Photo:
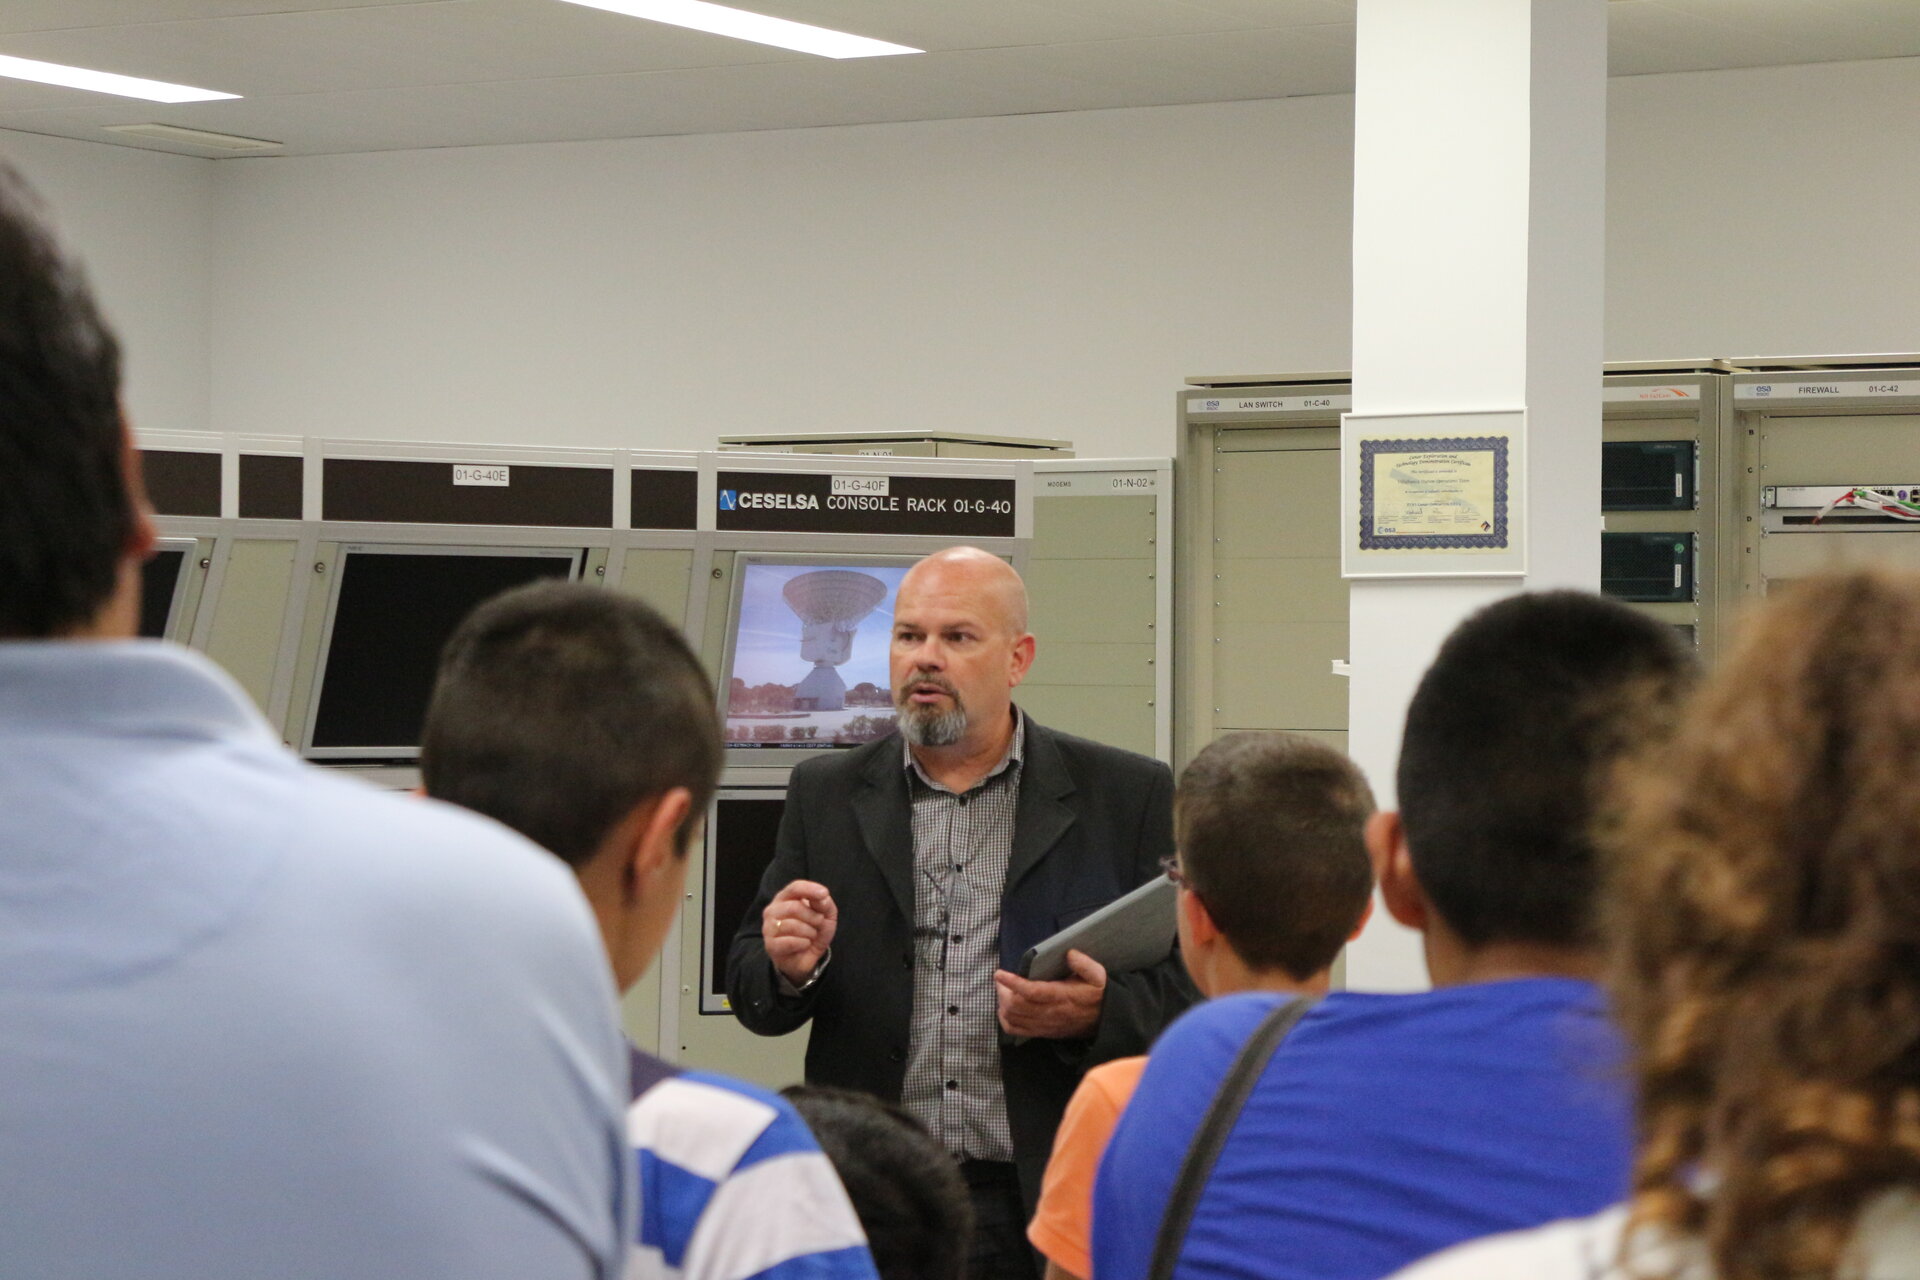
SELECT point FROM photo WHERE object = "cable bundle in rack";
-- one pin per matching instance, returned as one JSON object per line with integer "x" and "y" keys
{"x": 1904, "y": 505}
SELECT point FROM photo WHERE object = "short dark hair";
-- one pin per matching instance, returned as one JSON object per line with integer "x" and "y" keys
{"x": 912, "y": 1202}
{"x": 1271, "y": 833}
{"x": 1510, "y": 742}
{"x": 65, "y": 510}
{"x": 559, "y": 707}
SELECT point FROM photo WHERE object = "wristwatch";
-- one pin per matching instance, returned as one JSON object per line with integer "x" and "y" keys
{"x": 789, "y": 988}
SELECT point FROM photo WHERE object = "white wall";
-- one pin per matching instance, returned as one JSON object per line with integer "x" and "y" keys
{"x": 1043, "y": 274}
{"x": 142, "y": 222}
{"x": 1048, "y": 275}
{"x": 1053, "y": 275}
{"x": 1764, "y": 212}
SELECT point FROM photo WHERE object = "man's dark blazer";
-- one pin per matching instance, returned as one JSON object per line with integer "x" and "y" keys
{"x": 1092, "y": 823}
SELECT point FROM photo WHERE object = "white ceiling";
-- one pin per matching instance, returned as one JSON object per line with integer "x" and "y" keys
{"x": 374, "y": 75}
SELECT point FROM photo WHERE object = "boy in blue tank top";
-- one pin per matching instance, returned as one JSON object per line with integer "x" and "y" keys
{"x": 1390, "y": 1126}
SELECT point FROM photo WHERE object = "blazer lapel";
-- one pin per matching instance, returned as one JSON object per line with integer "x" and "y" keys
{"x": 884, "y": 812}
{"x": 1043, "y": 814}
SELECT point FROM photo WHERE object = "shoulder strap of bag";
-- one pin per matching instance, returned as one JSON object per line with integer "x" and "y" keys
{"x": 1208, "y": 1140}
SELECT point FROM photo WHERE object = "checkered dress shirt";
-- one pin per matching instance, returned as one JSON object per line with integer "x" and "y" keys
{"x": 961, "y": 844}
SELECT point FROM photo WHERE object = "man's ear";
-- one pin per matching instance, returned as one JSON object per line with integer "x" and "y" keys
{"x": 1023, "y": 651}
{"x": 1393, "y": 869}
{"x": 657, "y": 823}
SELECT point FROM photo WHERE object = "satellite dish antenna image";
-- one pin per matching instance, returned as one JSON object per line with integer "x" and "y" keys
{"x": 831, "y": 604}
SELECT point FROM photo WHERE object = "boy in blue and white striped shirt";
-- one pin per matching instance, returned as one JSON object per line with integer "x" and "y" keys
{"x": 580, "y": 718}
{"x": 733, "y": 1184}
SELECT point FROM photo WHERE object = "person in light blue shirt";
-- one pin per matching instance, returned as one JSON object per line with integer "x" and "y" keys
{"x": 254, "y": 1021}
{"x": 580, "y": 718}
{"x": 1386, "y": 1127}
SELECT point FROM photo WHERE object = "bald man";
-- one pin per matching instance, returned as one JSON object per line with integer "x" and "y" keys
{"x": 913, "y": 872}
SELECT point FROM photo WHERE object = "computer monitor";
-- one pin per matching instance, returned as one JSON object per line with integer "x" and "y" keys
{"x": 1648, "y": 475}
{"x": 163, "y": 581}
{"x": 389, "y": 612}
{"x": 740, "y": 843}
{"x": 1651, "y": 568}
{"x": 805, "y": 667}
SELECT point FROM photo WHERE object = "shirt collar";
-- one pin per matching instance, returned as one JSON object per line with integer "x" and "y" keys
{"x": 118, "y": 687}
{"x": 1015, "y": 756}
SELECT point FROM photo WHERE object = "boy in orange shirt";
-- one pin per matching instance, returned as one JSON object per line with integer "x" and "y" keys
{"x": 1271, "y": 824}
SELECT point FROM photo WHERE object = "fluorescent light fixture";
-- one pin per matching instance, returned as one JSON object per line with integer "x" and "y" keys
{"x": 202, "y": 138}
{"x": 757, "y": 27}
{"x": 104, "y": 81}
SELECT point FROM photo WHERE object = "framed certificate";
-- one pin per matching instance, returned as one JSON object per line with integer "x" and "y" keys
{"x": 1433, "y": 495}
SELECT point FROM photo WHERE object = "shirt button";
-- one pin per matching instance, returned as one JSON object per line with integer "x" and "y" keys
{"x": 957, "y": 938}
{"x": 953, "y": 1009}
{"x": 953, "y": 1084}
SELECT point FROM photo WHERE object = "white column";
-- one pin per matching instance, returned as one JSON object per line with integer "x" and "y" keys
{"x": 1478, "y": 224}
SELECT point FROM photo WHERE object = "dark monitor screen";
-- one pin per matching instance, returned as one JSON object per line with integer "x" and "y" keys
{"x": 740, "y": 843}
{"x": 159, "y": 584}
{"x": 392, "y": 614}
{"x": 1647, "y": 475}
{"x": 1647, "y": 567}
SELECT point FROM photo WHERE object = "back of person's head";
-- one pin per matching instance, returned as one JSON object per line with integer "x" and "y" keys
{"x": 1510, "y": 742}
{"x": 1271, "y": 833}
{"x": 1764, "y": 924}
{"x": 66, "y": 513}
{"x": 907, "y": 1190}
{"x": 561, "y": 707}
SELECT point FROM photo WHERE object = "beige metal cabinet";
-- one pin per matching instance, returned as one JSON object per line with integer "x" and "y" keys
{"x": 1262, "y": 607}
{"x": 1810, "y": 428}
{"x": 1261, "y": 604}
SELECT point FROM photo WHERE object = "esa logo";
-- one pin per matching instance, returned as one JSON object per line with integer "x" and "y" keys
{"x": 1764, "y": 390}
{"x": 729, "y": 499}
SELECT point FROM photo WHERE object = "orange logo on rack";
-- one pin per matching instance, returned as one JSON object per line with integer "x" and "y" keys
{"x": 1667, "y": 393}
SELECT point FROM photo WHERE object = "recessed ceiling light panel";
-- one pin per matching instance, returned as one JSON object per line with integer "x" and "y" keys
{"x": 757, "y": 27}
{"x": 202, "y": 138}
{"x": 104, "y": 81}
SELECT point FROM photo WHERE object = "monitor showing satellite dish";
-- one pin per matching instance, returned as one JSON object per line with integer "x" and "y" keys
{"x": 806, "y": 660}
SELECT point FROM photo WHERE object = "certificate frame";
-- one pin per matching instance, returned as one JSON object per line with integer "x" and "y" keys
{"x": 1484, "y": 448}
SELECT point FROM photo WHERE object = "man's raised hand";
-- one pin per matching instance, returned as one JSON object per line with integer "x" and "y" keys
{"x": 797, "y": 927}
